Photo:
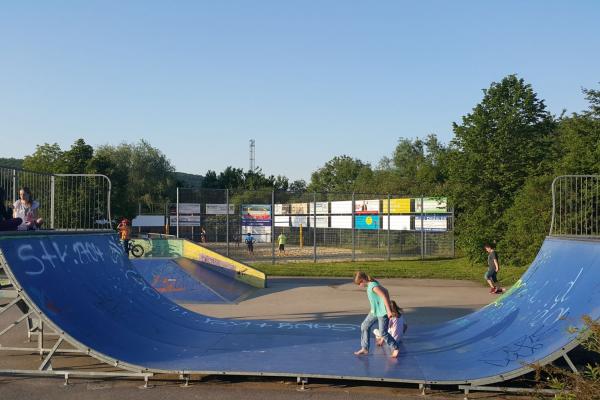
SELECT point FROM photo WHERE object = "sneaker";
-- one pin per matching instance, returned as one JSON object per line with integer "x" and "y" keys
{"x": 492, "y": 290}
{"x": 498, "y": 291}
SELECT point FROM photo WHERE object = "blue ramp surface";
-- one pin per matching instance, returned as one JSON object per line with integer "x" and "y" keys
{"x": 186, "y": 281}
{"x": 85, "y": 287}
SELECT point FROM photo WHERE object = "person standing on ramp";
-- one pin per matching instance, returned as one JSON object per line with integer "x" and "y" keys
{"x": 381, "y": 312}
{"x": 491, "y": 275}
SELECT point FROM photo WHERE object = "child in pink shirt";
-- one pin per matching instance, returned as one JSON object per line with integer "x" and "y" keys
{"x": 397, "y": 326}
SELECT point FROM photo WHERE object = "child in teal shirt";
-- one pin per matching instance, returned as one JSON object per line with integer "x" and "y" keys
{"x": 381, "y": 312}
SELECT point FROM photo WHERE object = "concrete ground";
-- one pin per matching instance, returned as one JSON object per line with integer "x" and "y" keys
{"x": 290, "y": 299}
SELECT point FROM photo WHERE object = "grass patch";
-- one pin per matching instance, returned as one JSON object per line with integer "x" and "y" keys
{"x": 456, "y": 268}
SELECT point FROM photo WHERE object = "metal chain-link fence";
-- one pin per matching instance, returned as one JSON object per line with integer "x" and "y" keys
{"x": 316, "y": 226}
{"x": 576, "y": 206}
{"x": 67, "y": 201}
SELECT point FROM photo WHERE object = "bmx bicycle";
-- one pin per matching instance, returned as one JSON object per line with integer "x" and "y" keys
{"x": 135, "y": 249}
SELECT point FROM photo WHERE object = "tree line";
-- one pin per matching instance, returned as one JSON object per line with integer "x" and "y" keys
{"x": 496, "y": 171}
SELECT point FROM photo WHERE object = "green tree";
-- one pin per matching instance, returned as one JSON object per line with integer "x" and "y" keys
{"x": 503, "y": 141}
{"x": 139, "y": 173}
{"x": 338, "y": 175}
{"x": 76, "y": 159}
{"x": 47, "y": 158}
{"x": 576, "y": 151}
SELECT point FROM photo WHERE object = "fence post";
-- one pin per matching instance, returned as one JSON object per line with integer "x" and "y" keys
{"x": 315, "y": 227}
{"x": 272, "y": 227}
{"x": 177, "y": 213}
{"x": 389, "y": 220}
{"x": 227, "y": 220}
{"x": 14, "y": 185}
{"x": 353, "y": 233}
{"x": 140, "y": 213}
{"x": 52, "y": 201}
{"x": 452, "y": 227}
{"x": 422, "y": 232}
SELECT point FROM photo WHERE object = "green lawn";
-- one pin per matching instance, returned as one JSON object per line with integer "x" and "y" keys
{"x": 457, "y": 268}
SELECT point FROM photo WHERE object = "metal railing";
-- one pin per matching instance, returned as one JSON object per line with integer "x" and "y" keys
{"x": 576, "y": 206}
{"x": 318, "y": 226}
{"x": 67, "y": 201}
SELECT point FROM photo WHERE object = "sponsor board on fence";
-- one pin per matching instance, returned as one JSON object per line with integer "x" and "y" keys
{"x": 187, "y": 208}
{"x": 322, "y": 207}
{"x": 298, "y": 220}
{"x": 219, "y": 209}
{"x": 282, "y": 209}
{"x": 366, "y": 207}
{"x": 397, "y": 206}
{"x": 262, "y": 234}
{"x": 298, "y": 208}
{"x": 432, "y": 205}
{"x": 398, "y": 222}
{"x": 185, "y": 220}
{"x": 366, "y": 222}
{"x": 341, "y": 207}
{"x": 341, "y": 221}
{"x": 432, "y": 223}
{"x": 282, "y": 220}
{"x": 321, "y": 221}
{"x": 148, "y": 220}
{"x": 256, "y": 215}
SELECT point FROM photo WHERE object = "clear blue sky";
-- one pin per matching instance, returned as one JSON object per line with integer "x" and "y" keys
{"x": 308, "y": 80}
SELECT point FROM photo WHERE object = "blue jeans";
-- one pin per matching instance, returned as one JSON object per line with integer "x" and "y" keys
{"x": 365, "y": 330}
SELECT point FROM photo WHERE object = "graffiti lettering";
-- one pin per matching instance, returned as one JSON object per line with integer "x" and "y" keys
{"x": 21, "y": 252}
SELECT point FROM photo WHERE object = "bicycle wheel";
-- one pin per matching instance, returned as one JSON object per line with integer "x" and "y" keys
{"x": 137, "y": 250}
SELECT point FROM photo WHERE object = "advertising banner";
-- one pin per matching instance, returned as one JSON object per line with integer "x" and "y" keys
{"x": 397, "y": 206}
{"x": 299, "y": 220}
{"x": 341, "y": 221}
{"x": 188, "y": 208}
{"x": 366, "y": 207}
{"x": 256, "y": 215}
{"x": 282, "y": 220}
{"x": 282, "y": 209}
{"x": 148, "y": 220}
{"x": 432, "y": 205}
{"x": 366, "y": 222}
{"x": 262, "y": 234}
{"x": 299, "y": 208}
{"x": 432, "y": 223}
{"x": 185, "y": 220}
{"x": 219, "y": 209}
{"x": 341, "y": 207}
{"x": 398, "y": 222}
{"x": 321, "y": 206}
{"x": 321, "y": 222}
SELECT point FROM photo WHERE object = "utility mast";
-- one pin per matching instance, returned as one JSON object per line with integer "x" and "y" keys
{"x": 252, "y": 160}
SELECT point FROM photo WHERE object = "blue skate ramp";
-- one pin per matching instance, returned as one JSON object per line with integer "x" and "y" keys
{"x": 85, "y": 288}
{"x": 187, "y": 281}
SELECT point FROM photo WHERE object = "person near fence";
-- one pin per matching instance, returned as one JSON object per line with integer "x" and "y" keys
{"x": 202, "y": 235}
{"x": 380, "y": 312}
{"x": 249, "y": 240}
{"x": 125, "y": 234}
{"x": 7, "y": 222}
{"x": 26, "y": 208}
{"x": 282, "y": 240}
{"x": 491, "y": 275}
{"x": 397, "y": 326}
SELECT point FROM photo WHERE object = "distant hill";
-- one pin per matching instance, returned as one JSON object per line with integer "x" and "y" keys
{"x": 189, "y": 180}
{"x": 11, "y": 162}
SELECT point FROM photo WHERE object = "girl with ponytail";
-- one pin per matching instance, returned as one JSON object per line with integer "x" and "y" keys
{"x": 381, "y": 312}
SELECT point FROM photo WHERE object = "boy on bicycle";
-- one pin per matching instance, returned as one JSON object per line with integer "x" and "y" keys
{"x": 124, "y": 234}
